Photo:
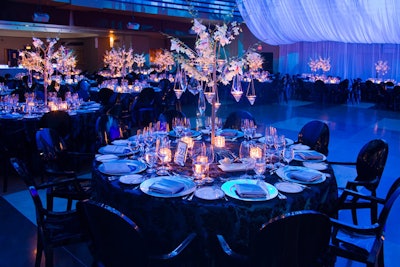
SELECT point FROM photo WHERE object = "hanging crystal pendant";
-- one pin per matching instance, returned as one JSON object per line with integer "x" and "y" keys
{"x": 209, "y": 96}
{"x": 183, "y": 80}
{"x": 236, "y": 90}
{"x": 201, "y": 103}
{"x": 251, "y": 92}
{"x": 178, "y": 93}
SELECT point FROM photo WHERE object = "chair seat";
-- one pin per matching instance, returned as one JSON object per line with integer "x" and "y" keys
{"x": 359, "y": 244}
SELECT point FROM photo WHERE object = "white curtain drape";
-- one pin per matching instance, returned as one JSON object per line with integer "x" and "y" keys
{"x": 354, "y": 34}
{"x": 279, "y": 22}
{"x": 348, "y": 61}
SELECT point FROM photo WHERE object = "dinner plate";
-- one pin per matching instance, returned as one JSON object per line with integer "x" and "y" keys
{"x": 106, "y": 157}
{"x": 131, "y": 179}
{"x": 189, "y": 186}
{"x": 231, "y": 133}
{"x": 106, "y": 150}
{"x": 209, "y": 193}
{"x": 284, "y": 173}
{"x": 135, "y": 166}
{"x": 319, "y": 166}
{"x": 191, "y": 133}
{"x": 300, "y": 147}
{"x": 287, "y": 187}
{"x": 229, "y": 189}
{"x": 299, "y": 158}
{"x": 120, "y": 142}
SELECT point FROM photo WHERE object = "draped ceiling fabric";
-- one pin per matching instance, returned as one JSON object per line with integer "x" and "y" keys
{"x": 354, "y": 34}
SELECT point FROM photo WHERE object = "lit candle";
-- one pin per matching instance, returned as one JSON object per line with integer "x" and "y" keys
{"x": 220, "y": 141}
{"x": 188, "y": 140}
{"x": 168, "y": 154}
{"x": 255, "y": 152}
{"x": 202, "y": 159}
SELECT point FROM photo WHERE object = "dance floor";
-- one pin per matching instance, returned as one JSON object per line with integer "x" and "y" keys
{"x": 351, "y": 126}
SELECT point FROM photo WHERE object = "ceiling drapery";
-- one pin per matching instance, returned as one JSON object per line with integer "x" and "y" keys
{"x": 279, "y": 22}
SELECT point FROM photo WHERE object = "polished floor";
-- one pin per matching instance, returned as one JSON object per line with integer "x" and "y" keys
{"x": 351, "y": 126}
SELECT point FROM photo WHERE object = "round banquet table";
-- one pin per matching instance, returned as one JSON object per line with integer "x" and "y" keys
{"x": 83, "y": 131}
{"x": 166, "y": 221}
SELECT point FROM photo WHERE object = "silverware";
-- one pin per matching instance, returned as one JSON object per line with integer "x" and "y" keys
{"x": 281, "y": 196}
{"x": 113, "y": 178}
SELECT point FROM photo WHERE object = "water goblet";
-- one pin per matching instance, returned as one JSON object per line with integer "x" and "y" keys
{"x": 151, "y": 159}
{"x": 164, "y": 154}
{"x": 245, "y": 158}
{"x": 288, "y": 154}
{"x": 260, "y": 166}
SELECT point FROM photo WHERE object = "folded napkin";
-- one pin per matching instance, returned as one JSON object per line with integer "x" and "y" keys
{"x": 305, "y": 176}
{"x": 113, "y": 149}
{"x": 310, "y": 155}
{"x": 167, "y": 186}
{"x": 250, "y": 191}
{"x": 116, "y": 167}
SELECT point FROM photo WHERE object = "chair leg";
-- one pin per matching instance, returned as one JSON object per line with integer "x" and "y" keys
{"x": 354, "y": 216}
{"x": 49, "y": 202}
{"x": 49, "y": 257}
{"x": 39, "y": 251}
{"x": 69, "y": 204}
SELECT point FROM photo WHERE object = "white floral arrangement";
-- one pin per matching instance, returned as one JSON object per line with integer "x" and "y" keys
{"x": 139, "y": 60}
{"x": 41, "y": 59}
{"x": 381, "y": 67}
{"x": 199, "y": 63}
{"x": 323, "y": 64}
{"x": 119, "y": 61}
{"x": 164, "y": 60}
{"x": 65, "y": 61}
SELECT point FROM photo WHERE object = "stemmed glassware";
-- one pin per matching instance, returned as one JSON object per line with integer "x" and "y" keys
{"x": 164, "y": 154}
{"x": 177, "y": 126}
{"x": 248, "y": 128}
{"x": 260, "y": 165}
{"x": 288, "y": 154}
{"x": 151, "y": 159}
{"x": 245, "y": 158}
{"x": 279, "y": 144}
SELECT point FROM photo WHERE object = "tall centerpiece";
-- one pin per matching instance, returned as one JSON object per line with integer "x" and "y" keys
{"x": 323, "y": 64}
{"x": 381, "y": 68}
{"x": 44, "y": 59}
{"x": 209, "y": 64}
{"x": 119, "y": 61}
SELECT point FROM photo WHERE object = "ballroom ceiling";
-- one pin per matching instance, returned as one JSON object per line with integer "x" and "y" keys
{"x": 86, "y": 18}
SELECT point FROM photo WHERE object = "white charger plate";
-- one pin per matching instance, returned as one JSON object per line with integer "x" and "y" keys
{"x": 319, "y": 166}
{"x": 189, "y": 186}
{"x": 299, "y": 158}
{"x": 284, "y": 173}
{"x": 229, "y": 189}
{"x": 135, "y": 165}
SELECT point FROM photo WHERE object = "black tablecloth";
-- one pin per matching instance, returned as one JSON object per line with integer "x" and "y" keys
{"x": 165, "y": 221}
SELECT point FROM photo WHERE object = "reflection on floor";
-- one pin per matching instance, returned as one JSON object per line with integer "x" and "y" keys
{"x": 351, "y": 126}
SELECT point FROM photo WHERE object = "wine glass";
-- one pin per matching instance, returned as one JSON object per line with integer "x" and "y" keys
{"x": 260, "y": 165}
{"x": 151, "y": 159}
{"x": 279, "y": 144}
{"x": 164, "y": 154}
{"x": 288, "y": 154}
{"x": 244, "y": 155}
{"x": 177, "y": 126}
